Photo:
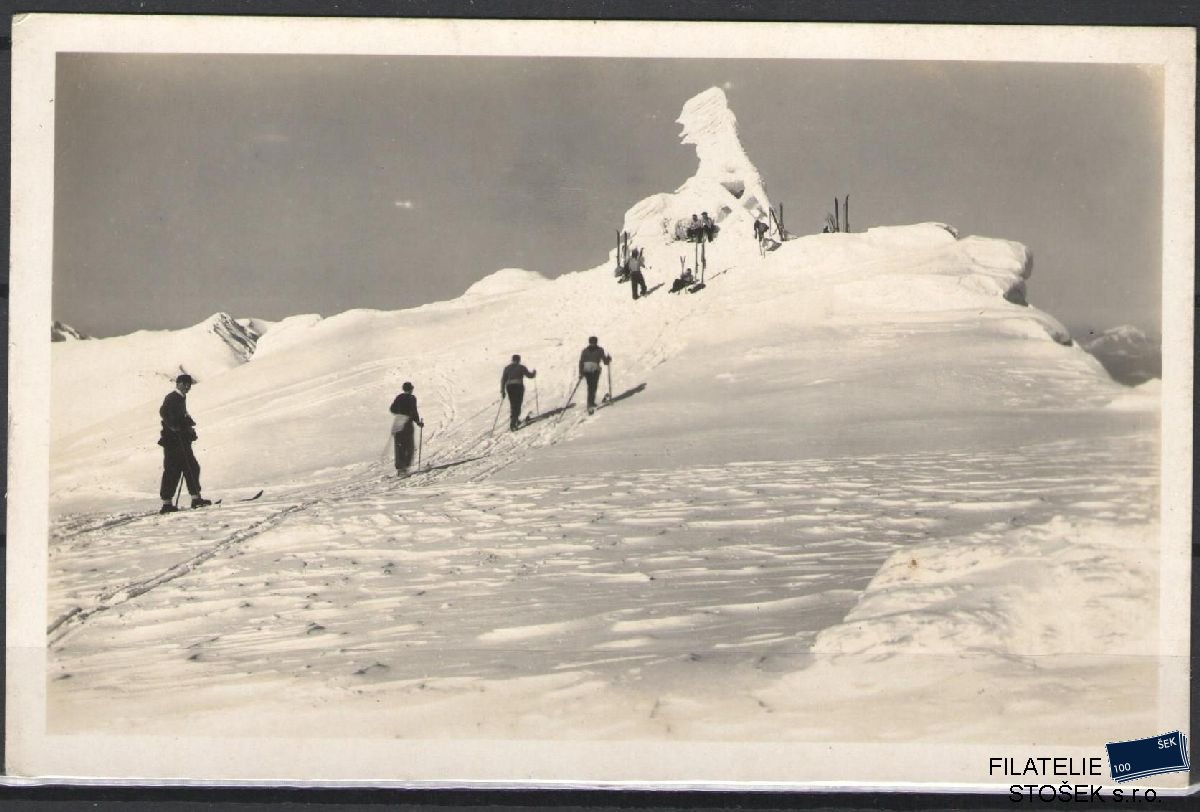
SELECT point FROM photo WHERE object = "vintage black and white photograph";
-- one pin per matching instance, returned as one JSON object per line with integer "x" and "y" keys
{"x": 454, "y": 402}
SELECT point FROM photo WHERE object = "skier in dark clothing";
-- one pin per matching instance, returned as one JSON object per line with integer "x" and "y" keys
{"x": 178, "y": 434}
{"x": 405, "y": 406}
{"x": 512, "y": 385}
{"x": 708, "y": 229}
{"x": 589, "y": 369}
{"x": 694, "y": 229}
{"x": 760, "y": 229}
{"x": 637, "y": 282}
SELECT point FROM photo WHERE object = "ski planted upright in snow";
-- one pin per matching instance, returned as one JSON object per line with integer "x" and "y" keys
{"x": 702, "y": 266}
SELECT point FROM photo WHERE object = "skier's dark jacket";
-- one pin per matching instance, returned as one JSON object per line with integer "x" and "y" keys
{"x": 515, "y": 374}
{"x": 177, "y": 424}
{"x": 406, "y": 404}
{"x": 594, "y": 353}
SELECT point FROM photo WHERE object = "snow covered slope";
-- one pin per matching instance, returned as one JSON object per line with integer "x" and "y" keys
{"x": 96, "y": 379}
{"x": 856, "y": 489}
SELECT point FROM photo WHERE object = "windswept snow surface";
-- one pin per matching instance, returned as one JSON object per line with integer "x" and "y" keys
{"x": 854, "y": 490}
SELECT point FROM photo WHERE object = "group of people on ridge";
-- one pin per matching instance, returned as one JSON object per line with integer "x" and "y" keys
{"x": 179, "y": 429}
{"x": 701, "y": 228}
{"x": 512, "y": 389}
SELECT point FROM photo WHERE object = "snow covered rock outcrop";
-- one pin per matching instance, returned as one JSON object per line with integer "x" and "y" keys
{"x": 239, "y": 337}
{"x": 726, "y": 185}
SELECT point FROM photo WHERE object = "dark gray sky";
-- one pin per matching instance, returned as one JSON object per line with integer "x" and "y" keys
{"x": 274, "y": 185}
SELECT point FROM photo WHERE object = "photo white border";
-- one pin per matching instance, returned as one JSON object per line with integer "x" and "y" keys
{"x": 37, "y": 39}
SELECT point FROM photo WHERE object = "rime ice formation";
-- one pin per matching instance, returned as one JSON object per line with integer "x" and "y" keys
{"x": 726, "y": 185}
{"x": 711, "y": 127}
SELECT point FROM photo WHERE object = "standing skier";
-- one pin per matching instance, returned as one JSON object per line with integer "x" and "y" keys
{"x": 760, "y": 231}
{"x": 637, "y": 282}
{"x": 512, "y": 385}
{"x": 176, "y": 438}
{"x": 589, "y": 369}
{"x": 405, "y": 406}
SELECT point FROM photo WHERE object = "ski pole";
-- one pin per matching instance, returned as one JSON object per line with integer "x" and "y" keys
{"x": 608, "y": 366}
{"x": 496, "y": 419}
{"x": 420, "y": 443}
{"x": 179, "y": 490}
{"x": 574, "y": 389}
{"x": 570, "y": 397}
{"x": 536, "y": 405}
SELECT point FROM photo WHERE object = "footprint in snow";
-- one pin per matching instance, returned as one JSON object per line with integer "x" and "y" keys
{"x": 370, "y": 670}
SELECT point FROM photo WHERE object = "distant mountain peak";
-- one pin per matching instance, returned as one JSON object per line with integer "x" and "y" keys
{"x": 240, "y": 337}
{"x": 60, "y": 331}
{"x": 1121, "y": 334}
{"x": 1130, "y": 356}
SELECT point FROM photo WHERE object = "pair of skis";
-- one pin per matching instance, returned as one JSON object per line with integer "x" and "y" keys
{"x": 532, "y": 418}
{"x": 128, "y": 518}
{"x": 429, "y": 468}
{"x": 217, "y": 502}
{"x": 701, "y": 265}
{"x": 622, "y": 271}
{"x": 607, "y": 397}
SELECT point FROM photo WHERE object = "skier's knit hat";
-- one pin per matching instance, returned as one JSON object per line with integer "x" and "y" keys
{"x": 407, "y": 387}
{"x": 185, "y": 378}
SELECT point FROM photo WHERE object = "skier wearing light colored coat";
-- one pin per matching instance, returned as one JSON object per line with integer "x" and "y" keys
{"x": 404, "y": 407}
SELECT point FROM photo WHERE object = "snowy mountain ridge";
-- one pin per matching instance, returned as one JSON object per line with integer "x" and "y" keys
{"x": 788, "y": 328}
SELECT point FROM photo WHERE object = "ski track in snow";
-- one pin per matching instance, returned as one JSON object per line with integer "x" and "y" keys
{"x": 445, "y": 576}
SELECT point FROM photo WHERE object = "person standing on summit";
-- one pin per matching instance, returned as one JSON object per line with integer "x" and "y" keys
{"x": 590, "y": 359}
{"x": 178, "y": 434}
{"x": 512, "y": 385}
{"x": 405, "y": 409}
{"x": 637, "y": 282}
